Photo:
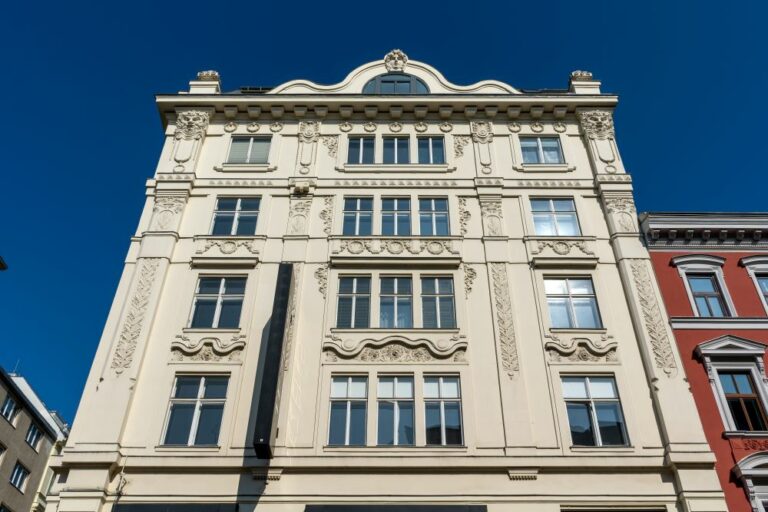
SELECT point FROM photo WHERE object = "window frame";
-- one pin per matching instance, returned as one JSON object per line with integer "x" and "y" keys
{"x": 757, "y": 268}
{"x": 361, "y": 149}
{"x": 14, "y": 411}
{"x": 594, "y": 422}
{"x": 396, "y": 152}
{"x": 437, "y": 295}
{"x": 704, "y": 264}
{"x": 396, "y": 401}
{"x": 553, "y": 215}
{"x": 22, "y": 486}
{"x": 232, "y": 139}
{"x": 357, "y": 213}
{"x": 198, "y": 401}
{"x": 430, "y": 139}
{"x": 347, "y": 419}
{"x": 236, "y": 213}
{"x": 396, "y": 214}
{"x": 396, "y": 295}
{"x": 37, "y": 437}
{"x": 540, "y": 150}
{"x": 442, "y": 400}
{"x": 569, "y": 296}
{"x": 433, "y": 214}
{"x": 219, "y": 300}
{"x": 413, "y": 82}
{"x": 354, "y": 294}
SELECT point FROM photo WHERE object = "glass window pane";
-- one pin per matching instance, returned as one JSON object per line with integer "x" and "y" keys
{"x": 362, "y": 310}
{"x": 702, "y": 306}
{"x": 364, "y": 224}
{"x": 701, "y": 284}
{"x": 611, "y": 423}
{"x": 238, "y": 151}
{"x": 551, "y": 150}
{"x": 402, "y": 87}
{"x": 205, "y": 309}
{"x": 357, "y": 423}
{"x": 388, "y": 224}
{"x": 346, "y": 284}
{"x": 715, "y": 306}
{"x": 738, "y": 415}
{"x": 404, "y": 387}
{"x": 228, "y": 204}
{"x": 389, "y": 150}
{"x": 404, "y": 313}
{"x": 403, "y": 156}
{"x": 357, "y": 387}
{"x": 386, "y": 423}
{"x": 246, "y": 225}
{"x": 404, "y": 285}
{"x": 581, "y": 424}
{"x": 209, "y": 285}
{"x": 354, "y": 150}
{"x": 368, "y": 150}
{"x": 388, "y": 204}
{"x": 452, "y": 423}
{"x": 438, "y": 151}
{"x": 187, "y": 387}
{"x": 344, "y": 314}
{"x": 574, "y": 387}
{"x": 179, "y": 424}
{"x": 222, "y": 224}
{"x": 441, "y": 204}
{"x": 387, "y": 87}
{"x": 429, "y": 312}
{"x": 586, "y": 313}
{"x": 581, "y": 286}
{"x": 441, "y": 224}
{"x": 339, "y": 387}
{"x": 209, "y": 424}
{"x": 338, "y": 424}
{"x": 544, "y": 224}
{"x": 763, "y": 281}
{"x": 530, "y": 151}
{"x": 349, "y": 224}
{"x": 350, "y": 204}
{"x": 425, "y": 224}
{"x": 755, "y": 414}
{"x": 432, "y": 422}
{"x": 567, "y": 224}
{"x": 559, "y": 315}
{"x": 540, "y": 205}
{"x": 229, "y": 317}
{"x": 555, "y": 287}
{"x": 425, "y": 205}
{"x": 405, "y": 429}
{"x": 423, "y": 146}
{"x": 259, "y": 151}
{"x": 743, "y": 383}
{"x": 387, "y": 312}
{"x": 386, "y": 387}
{"x": 563, "y": 205}
{"x": 447, "y": 320}
{"x": 250, "y": 204}
{"x": 234, "y": 285}
{"x": 366, "y": 204}
{"x": 388, "y": 285}
{"x": 431, "y": 387}
{"x": 404, "y": 224}
{"x": 363, "y": 284}
{"x": 727, "y": 382}
{"x": 216, "y": 387}
{"x": 428, "y": 285}
{"x": 450, "y": 387}
{"x": 602, "y": 387}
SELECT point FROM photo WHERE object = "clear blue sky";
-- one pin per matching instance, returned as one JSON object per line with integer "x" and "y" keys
{"x": 80, "y": 132}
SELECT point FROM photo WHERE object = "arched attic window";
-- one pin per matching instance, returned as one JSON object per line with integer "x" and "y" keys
{"x": 395, "y": 83}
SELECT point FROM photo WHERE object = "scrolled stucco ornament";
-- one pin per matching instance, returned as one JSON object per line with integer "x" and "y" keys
{"x": 191, "y": 125}
{"x": 482, "y": 133}
{"x": 208, "y": 74}
{"x": 395, "y": 60}
{"x": 597, "y": 124}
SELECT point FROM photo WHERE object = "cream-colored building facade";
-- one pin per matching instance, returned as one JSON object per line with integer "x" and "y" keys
{"x": 493, "y": 339}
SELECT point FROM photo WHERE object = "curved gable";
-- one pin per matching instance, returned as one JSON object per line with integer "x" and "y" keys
{"x": 394, "y": 62}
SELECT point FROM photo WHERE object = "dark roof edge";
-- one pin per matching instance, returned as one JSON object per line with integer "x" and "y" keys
{"x": 43, "y": 422}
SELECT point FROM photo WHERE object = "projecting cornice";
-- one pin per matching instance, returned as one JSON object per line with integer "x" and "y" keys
{"x": 705, "y": 230}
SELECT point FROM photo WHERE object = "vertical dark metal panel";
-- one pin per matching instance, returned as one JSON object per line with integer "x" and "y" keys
{"x": 264, "y": 430}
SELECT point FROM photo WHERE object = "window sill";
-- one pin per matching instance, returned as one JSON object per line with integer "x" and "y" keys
{"x": 206, "y": 330}
{"x": 244, "y": 168}
{"x": 544, "y": 168}
{"x": 395, "y": 330}
{"x": 566, "y": 330}
{"x": 600, "y": 449}
{"x": 184, "y": 448}
{"x": 697, "y": 322}
{"x": 389, "y": 449}
{"x": 745, "y": 433}
{"x": 395, "y": 168}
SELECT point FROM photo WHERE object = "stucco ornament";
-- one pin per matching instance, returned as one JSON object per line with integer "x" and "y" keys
{"x": 581, "y": 76}
{"x": 506, "y": 333}
{"x": 492, "y": 216}
{"x": 321, "y": 274}
{"x": 370, "y": 126}
{"x": 209, "y": 75}
{"x": 297, "y": 216}
{"x": 597, "y": 124}
{"x": 326, "y": 214}
{"x": 332, "y": 143}
{"x": 165, "y": 209}
{"x": 459, "y": 143}
{"x": 395, "y": 127}
{"x": 392, "y": 348}
{"x": 276, "y": 126}
{"x": 345, "y": 126}
{"x": 395, "y": 246}
{"x": 208, "y": 349}
{"x": 309, "y": 131}
{"x": 623, "y": 210}
{"x": 464, "y": 215}
{"x": 482, "y": 132}
{"x": 230, "y": 127}
{"x": 469, "y": 278}
{"x": 420, "y": 127}
{"x": 562, "y": 247}
{"x": 191, "y": 125}
{"x": 253, "y": 127}
{"x": 395, "y": 61}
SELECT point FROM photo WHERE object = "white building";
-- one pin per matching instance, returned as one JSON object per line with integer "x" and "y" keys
{"x": 393, "y": 290}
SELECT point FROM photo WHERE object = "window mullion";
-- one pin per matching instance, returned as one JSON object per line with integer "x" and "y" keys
{"x": 596, "y": 425}
{"x": 396, "y": 417}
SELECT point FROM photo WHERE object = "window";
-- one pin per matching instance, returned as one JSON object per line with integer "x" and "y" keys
{"x": 349, "y": 396}
{"x": 762, "y": 282}
{"x": 395, "y": 83}
{"x": 19, "y": 477}
{"x": 594, "y": 411}
{"x": 236, "y": 216}
{"x": 396, "y": 216}
{"x": 197, "y": 406}
{"x": 218, "y": 302}
{"x": 743, "y": 401}
{"x": 10, "y": 409}
{"x": 555, "y": 217}
{"x": 358, "y": 215}
{"x": 395, "y": 396}
{"x": 572, "y": 303}
{"x": 396, "y": 302}
{"x": 433, "y": 216}
{"x": 442, "y": 410}
{"x": 249, "y": 150}
{"x": 437, "y": 303}
{"x": 396, "y": 150}
{"x": 34, "y": 435}
{"x": 707, "y": 295}
{"x": 360, "y": 150}
{"x": 431, "y": 150}
{"x": 541, "y": 150}
{"x": 354, "y": 302}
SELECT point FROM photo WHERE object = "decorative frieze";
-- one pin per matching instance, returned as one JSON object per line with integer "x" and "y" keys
{"x": 227, "y": 246}
{"x": 562, "y": 247}
{"x": 583, "y": 349}
{"x": 401, "y": 246}
{"x": 207, "y": 349}
{"x": 506, "y": 328}
{"x": 410, "y": 346}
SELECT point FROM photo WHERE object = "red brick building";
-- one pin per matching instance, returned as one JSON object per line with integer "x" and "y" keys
{"x": 712, "y": 270}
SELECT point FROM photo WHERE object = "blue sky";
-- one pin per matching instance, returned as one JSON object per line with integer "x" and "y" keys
{"x": 80, "y": 132}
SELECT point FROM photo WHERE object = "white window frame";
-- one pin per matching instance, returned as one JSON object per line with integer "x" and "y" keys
{"x": 360, "y": 152}
{"x": 395, "y": 139}
{"x": 250, "y": 148}
{"x": 431, "y": 138}
{"x": 442, "y": 400}
{"x": 355, "y": 294}
{"x": 37, "y": 435}
{"x": 235, "y": 213}
{"x": 397, "y": 213}
{"x": 540, "y": 149}
{"x": 357, "y": 211}
{"x": 349, "y": 401}
{"x": 394, "y": 399}
{"x": 396, "y": 295}
{"x": 219, "y": 300}
{"x": 14, "y": 412}
{"x": 704, "y": 264}
{"x": 593, "y": 410}
{"x": 199, "y": 401}
{"x": 552, "y": 213}
{"x": 433, "y": 214}
{"x": 570, "y": 297}
{"x": 19, "y": 477}
{"x": 757, "y": 266}
{"x": 437, "y": 296}
{"x": 732, "y": 353}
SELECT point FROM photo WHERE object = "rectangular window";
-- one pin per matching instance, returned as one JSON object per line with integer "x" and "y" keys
{"x": 555, "y": 217}
{"x": 349, "y": 396}
{"x": 396, "y": 150}
{"x": 218, "y": 302}
{"x": 354, "y": 302}
{"x": 360, "y": 150}
{"x": 541, "y": 150}
{"x": 197, "y": 406}
{"x": 442, "y": 410}
{"x": 396, "y": 216}
{"x": 34, "y": 435}
{"x": 594, "y": 411}
{"x": 236, "y": 216}
{"x": 762, "y": 282}
{"x": 358, "y": 216}
{"x": 19, "y": 477}
{"x": 249, "y": 150}
{"x": 437, "y": 304}
{"x": 707, "y": 295}
{"x": 431, "y": 150}
{"x": 396, "y": 303}
{"x": 744, "y": 403}
{"x": 572, "y": 303}
{"x": 395, "y": 395}
{"x": 433, "y": 216}
{"x": 10, "y": 409}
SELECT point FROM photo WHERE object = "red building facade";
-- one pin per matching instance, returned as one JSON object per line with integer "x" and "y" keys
{"x": 712, "y": 271}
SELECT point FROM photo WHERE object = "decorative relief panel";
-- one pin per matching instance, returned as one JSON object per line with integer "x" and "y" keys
{"x": 590, "y": 349}
{"x": 506, "y": 328}
{"x": 165, "y": 212}
{"x": 622, "y": 213}
{"x": 195, "y": 348}
{"x": 401, "y": 246}
{"x": 464, "y": 215}
{"x": 331, "y": 142}
{"x": 492, "y": 214}
{"x": 309, "y": 133}
{"x": 469, "y": 278}
{"x": 482, "y": 136}
{"x": 654, "y": 322}
{"x": 191, "y": 126}
{"x": 133, "y": 323}
{"x": 326, "y": 215}
{"x": 597, "y": 125}
{"x": 298, "y": 216}
{"x": 459, "y": 143}
{"x": 321, "y": 274}
{"x": 414, "y": 345}
{"x": 561, "y": 247}
{"x": 228, "y": 246}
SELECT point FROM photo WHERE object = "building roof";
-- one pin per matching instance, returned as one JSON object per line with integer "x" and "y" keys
{"x": 50, "y": 421}
{"x": 722, "y": 230}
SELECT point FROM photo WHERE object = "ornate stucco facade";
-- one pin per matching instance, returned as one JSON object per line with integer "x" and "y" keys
{"x": 306, "y": 360}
